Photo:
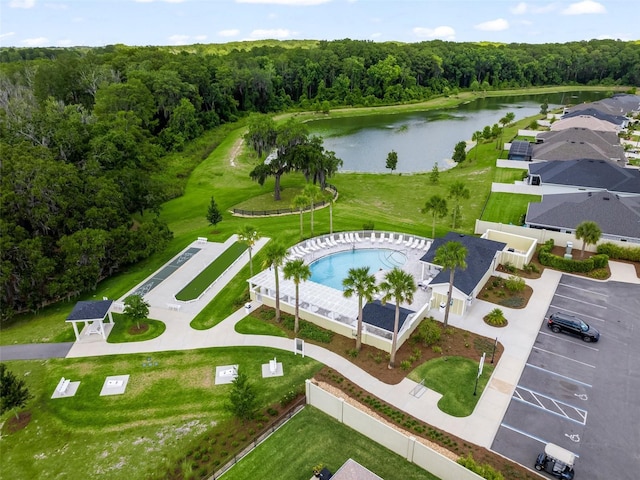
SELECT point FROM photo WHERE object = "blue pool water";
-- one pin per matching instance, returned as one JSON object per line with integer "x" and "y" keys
{"x": 332, "y": 269}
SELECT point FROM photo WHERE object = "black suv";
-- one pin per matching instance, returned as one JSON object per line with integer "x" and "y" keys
{"x": 561, "y": 322}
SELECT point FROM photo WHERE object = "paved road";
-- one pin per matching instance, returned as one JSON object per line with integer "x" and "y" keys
{"x": 34, "y": 351}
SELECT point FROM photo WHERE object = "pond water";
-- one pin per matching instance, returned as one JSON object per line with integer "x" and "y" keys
{"x": 423, "y": 138}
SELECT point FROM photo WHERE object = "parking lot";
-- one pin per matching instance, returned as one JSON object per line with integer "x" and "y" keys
{"x": 582, "y": 396}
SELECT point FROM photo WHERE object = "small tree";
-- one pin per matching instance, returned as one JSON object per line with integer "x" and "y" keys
{"x": 213, "y": 213}
{"x": 436, "y": 206}
{"x": 136, "y": 308}
{"x": 275, "y": 253}
{"x": 434, "y": 176}
{"x": 450, "y": 256}
{"x": 544, "y": 108}
{"x": 297, "y": 271}
{"x": 243, "y": 398}
{"x": 457, "y": 191}
{"x": 392, "y": 160}
{"x": 249, "y": 236}
{"x": 477, "y": 136}
{"x": 400, "y": 286}
{"x": 589, "y": 232}
{"x": 460, "y": 152}
{"x": 312, "y": 192}
{"x": 13, "y": 391}
{"x": 363, "y": 284}
{"x": 300, "y": 202}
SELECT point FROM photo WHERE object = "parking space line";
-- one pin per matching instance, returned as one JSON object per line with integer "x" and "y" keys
{"x": 583, "y": 289}
{"x": 558, "y": 375}
{"x": 521, "y": 432}
{"x": 580, "y": 301}
{"x": 577, "y": 313}
{"x": 566, "y": 358}
{"x": 561, "y": 411}
{"x": 581, "y": 344}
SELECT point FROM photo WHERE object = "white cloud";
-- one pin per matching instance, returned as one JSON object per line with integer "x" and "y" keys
{"x": 493, "y": 25}
{"x": 525, "y": 8}
{"x": 200, "y": 38}
{"x": 275, "y": 33}
{"x": 166, "y": 1}
{"x": 22, "y": 3}
{"x": 179, "y": 39}
{"x": 35, "y": 42}
{"x": 375, "y": 35}
{"x": 232, "y": 32}
{"x": 586, "y": 6}
{"x": 57, "y": 6}
{"x": 64, "y": 43}
{"x": 295, "y": 3}
{"x": 519, "y": 9}
{"x": 8, "y": 34}
{"x": 442, "y": 32}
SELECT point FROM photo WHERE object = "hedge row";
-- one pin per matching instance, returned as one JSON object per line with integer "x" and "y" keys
{"x": 548, "y": 259}
{"x": 620, "y": 253}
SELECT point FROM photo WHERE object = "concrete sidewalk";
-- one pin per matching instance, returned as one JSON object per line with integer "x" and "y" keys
{"x": 479, "y": 428}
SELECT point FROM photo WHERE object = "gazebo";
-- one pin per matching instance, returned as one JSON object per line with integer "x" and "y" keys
{"x": 92, "y": 313}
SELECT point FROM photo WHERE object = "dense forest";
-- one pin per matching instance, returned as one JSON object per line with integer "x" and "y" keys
{"x": 83, "y": 131}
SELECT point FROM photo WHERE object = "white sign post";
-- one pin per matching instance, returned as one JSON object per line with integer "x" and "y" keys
{"x": 298, "y": 346}
{"x": 475, "y": 389}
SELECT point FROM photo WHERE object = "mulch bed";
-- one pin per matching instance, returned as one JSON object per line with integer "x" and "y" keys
{"x": 13, "y": 424}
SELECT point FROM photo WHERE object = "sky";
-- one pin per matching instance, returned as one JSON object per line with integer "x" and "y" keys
{"x": 63, "y": 23}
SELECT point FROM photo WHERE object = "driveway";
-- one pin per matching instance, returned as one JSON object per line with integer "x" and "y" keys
{"x": 34, "y": 351}
{"x": 582, "y": 396}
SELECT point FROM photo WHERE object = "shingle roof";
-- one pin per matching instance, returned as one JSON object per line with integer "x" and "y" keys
{"x": 599, "y": 114}
{"x": 588, "y": 173}
{"x": 383, "y": 316}
{"x": 584, "y": 121}
{"x": 614, "y": 215}
{"x": 89, "y": 310}
{"x": 480, "y": 255}
{"x": 575, "y": 143}
{"x": 618, "y": 104}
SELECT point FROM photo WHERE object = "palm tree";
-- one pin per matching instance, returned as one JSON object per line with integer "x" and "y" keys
{"x": 589, "y": 232}
{"x": 399, "y": 286}
{"x": 457, "y": 191}
{"x": 451, "y": 255}
{"x": 360, "y": 282}
{"x": 297, "y": 271}
{"x": 275, "y": 253}
{"x": 437, "y": 207}
{"x": 249, "y": 236}
{"x": 300, "y": 202}
{"x": 477, "y": 136}
{"x": 331, "y": 200}
{"x": 312, "y": 192}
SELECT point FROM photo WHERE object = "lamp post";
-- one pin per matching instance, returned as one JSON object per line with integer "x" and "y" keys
{"x": 494, "y": 349}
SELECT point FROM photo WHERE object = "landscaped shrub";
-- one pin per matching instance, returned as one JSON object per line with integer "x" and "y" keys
{"x": 567, "y": 264}
{"x": 496, "y": 318}
{"x": 617, "y": 252}
{"x": 367, "y": 226}
{"x": 429, "y": 332}
{"x": 508, "y": 267}
{"x": 515, "y": 283}
{"x": 308, "y": 330}
{"x": 531, "y": 268}
{"x": 484, "y": 470}
{"x": 405, "y": 365}
{"x": 512, "y": 302}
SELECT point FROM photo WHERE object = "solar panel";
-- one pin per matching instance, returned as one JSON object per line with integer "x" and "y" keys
{"x": 521, "y": 148}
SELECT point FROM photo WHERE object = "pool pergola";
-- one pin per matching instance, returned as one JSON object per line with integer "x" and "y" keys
{"x": 328, "y": 307}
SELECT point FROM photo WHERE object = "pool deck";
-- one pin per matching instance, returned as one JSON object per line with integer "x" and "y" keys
{"x": 329, "y": 302}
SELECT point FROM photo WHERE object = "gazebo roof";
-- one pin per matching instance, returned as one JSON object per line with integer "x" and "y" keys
{"x": 86, "y": 310}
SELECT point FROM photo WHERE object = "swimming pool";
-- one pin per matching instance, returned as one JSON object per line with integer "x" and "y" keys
{"x": 334, "y": 268}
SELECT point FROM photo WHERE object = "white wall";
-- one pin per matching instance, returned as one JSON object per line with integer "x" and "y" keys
{"x": 397, "y": 442}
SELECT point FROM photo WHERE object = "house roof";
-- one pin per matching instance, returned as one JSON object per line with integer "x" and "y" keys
{"x": 89, "y": 310}
{"x": 618, "y": 104}
{"x": 584, "y": 121}
{"x": 588, "y": 173}
{"x": 599, "y": 114}
{"x": 384, "y": 316}
{"x": 520, "y": 148}
{"x": 614, "y": 215}
{"x": 352, "y": 470}
{"x": 480, "y": 255}
{"x": 574, "y": 143}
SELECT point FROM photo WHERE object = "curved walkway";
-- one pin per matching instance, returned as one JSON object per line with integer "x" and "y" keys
{"x": 480, "y": 427}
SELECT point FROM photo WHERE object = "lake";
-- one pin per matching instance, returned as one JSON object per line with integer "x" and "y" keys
{"x": 423, "y": 138}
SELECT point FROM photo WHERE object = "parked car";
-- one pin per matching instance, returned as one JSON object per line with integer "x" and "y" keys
{"x": 557, "y": 461}
{"x": 562, "y": 322}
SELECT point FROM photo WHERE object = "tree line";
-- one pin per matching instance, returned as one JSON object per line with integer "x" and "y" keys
{"x": 85, "y": 132}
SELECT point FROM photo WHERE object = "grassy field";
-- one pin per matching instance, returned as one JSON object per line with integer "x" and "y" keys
{"x": 122, "y": 325}
{"x": 210, "y": 274}
{"x": 507, "y": 208}
{"x": 312, "y": 437}
{"x": 125, "y": 436}
{"x": 454, "y": 378}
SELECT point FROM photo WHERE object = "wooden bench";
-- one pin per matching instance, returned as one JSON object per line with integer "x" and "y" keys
{"x": 63, "y": 384}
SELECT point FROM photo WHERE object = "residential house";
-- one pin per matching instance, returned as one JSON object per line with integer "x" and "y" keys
{"x": 578, "y": 143}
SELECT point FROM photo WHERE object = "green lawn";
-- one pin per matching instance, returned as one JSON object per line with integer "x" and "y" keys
{"x": 253, "y": 326}
{"x": 507, "y": 208}
{"x": 122, "y": 324}
{"x": 310, "y": 438}
{"x": 198, "y": 285}
{"x": 164, "y": 408}
{"x": 454, "y": 378}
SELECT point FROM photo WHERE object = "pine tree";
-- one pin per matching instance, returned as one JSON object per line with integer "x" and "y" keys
{"x": 213, "y": 214}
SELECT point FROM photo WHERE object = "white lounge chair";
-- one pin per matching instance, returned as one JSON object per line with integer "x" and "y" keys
{"x": 373, "y": 237}
{"x": 382, "y": 239}
{"x": 358, "y": 239}
{"x": 350, "y": 237}
{"x": 421, "y": 244}
{"x": 320, "y": 243}
{"x": 331, "y": 241}
{"x": 391, "y": 238}
{"x": 399, "y": 241}
{"x": 427, "y": 245}
{"x": 415, "y": 243}
{"x": 408, "y": 242}
{"x": 341, "y": 238}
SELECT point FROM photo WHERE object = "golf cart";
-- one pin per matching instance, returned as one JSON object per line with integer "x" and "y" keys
{"x": 557, "y": 461}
